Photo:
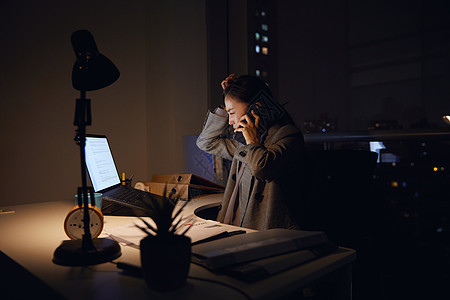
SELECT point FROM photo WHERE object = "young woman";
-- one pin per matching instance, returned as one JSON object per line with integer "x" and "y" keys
{"x": 264, "y": 185}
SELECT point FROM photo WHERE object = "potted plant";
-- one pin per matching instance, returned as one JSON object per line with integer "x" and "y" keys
{"x": 165, "y": 254}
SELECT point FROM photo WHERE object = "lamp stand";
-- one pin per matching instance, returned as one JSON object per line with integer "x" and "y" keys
{"x": 87, "y": 251}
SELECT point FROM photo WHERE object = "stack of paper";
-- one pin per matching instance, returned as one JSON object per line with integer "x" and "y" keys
{"x": 252, "y": 246}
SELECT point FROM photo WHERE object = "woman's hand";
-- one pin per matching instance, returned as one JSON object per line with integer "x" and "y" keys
{"x": 249, "y": 128}
{"x": 225, "y": 83}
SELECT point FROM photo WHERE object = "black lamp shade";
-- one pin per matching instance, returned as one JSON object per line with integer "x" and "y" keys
{"x": 92, "y": 70}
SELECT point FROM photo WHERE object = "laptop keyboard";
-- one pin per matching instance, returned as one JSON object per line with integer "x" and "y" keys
{"x": 129, "y": 197}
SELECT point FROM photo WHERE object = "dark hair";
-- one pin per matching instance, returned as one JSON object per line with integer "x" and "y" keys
{"x": 245, "y": 88}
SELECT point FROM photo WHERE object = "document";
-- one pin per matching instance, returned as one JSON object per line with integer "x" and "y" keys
{"x": 131, "y": 235}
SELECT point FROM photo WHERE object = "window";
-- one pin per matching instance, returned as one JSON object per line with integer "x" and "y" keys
{"x": 261, "y": 62}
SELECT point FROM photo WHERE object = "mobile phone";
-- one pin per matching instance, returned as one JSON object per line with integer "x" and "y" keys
{"x": 238, "y": 136}
{"x": 251, "y": 107}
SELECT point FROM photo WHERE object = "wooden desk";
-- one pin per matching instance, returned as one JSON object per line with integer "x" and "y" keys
{"x": 31, "y": 234}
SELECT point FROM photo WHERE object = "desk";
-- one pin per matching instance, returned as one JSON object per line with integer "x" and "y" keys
{"x": 31, "y": 234}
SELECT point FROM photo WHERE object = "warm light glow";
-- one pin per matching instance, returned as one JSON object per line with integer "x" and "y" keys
{"x": 446, "y": 119}
{"x": 394, "y": 184}
{"x": 265, "y": 50}
{"x": 435, "y": 169}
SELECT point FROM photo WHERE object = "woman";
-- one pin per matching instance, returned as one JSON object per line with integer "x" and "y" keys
{"x": 263, "y": 189}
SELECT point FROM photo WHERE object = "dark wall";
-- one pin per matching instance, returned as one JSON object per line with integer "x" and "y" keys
{"x": 38, "y": 156}
{"x": 159, "y": 48}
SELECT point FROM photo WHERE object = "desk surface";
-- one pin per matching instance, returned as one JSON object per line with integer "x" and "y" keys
{"x": 31, "y": 234}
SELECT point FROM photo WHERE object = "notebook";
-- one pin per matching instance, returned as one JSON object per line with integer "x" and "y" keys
{"x": 117, "y": 199}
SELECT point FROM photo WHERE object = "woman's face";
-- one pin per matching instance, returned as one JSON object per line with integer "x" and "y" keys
{"x": 235, "y": 109}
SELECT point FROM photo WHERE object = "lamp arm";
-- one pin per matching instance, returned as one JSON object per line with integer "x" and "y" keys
{"x": 82, "y": 119}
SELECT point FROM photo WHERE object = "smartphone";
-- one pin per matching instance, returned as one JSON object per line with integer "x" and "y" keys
{"x": 255, "y": 108}
{"x": 238, "y": 136}
{"x": 251, "y": 107}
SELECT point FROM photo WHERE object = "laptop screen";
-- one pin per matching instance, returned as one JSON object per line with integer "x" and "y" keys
{"x": 100, "y": 163}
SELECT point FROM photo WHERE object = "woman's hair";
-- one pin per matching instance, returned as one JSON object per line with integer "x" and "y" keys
{"x": 245, "y": 88}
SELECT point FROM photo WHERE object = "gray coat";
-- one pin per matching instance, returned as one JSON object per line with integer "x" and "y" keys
{"x": 271, "y": 184}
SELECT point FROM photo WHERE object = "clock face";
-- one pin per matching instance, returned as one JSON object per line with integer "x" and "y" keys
{"x": 74, "y": 222}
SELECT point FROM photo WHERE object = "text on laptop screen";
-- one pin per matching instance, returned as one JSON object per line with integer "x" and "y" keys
{"x": 100, "y": 163}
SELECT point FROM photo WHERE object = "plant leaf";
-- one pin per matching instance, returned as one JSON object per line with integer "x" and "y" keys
{"x": 148, "y": 225}
{"x": 174, "y": 227}
{"x": 181, "y": 208}
{"x": 145, "y": 230}
{"x": 161, "y": 211}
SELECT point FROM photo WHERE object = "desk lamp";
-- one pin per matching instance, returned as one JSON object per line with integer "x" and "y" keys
{"x": 91, "y": 71}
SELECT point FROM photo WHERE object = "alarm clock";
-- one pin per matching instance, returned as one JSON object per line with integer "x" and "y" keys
{"x": 74, "y": 224}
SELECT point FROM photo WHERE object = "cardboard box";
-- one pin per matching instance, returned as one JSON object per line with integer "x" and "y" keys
{"x": 185, "y": 186}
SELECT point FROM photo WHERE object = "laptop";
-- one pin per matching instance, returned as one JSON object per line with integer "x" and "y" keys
{"x": 117, "y": 199}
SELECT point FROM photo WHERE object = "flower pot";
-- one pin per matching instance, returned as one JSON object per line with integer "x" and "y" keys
{"x": 165, "y": 261}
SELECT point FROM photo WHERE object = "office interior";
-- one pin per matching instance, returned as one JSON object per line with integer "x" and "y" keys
{"x": 341, "y": 67}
